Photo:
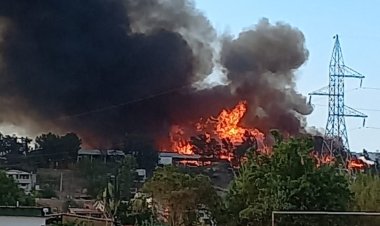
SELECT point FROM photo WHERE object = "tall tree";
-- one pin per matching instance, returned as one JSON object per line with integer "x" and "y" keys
{"x": 126, "y": 176}
{"x": 15, "y": 149}
{"x": 143, "y": 149}
{"x": 288, "y": 179}
{"x": 182, "y": 195}
{"x": 59, "y": 150}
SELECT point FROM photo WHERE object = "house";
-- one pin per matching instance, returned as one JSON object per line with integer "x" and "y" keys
{"x": 173, "y": 158}
{"x": 23, "y": 216}
{"x": 25, "y": 180}
{"x": 103, "y": 155}
{"x": 140, "y": 176}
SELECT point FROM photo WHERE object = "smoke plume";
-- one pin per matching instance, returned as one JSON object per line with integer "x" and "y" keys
{"x": 103, "y": 68}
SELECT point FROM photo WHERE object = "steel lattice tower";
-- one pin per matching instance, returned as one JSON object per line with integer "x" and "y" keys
{"x": 337, "y": 110}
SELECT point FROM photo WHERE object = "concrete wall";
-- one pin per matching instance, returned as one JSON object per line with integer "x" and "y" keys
{"x": 22, "y": 221}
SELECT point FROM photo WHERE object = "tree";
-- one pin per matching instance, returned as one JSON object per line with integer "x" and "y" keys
{"x": 288, "y": 179}
{"x": 58, "y": 149}
{"x": 144, "y": 151}
{"x": 47, "y": 192}
{"x": 96, "y": 175}
{"x": 366, "y": 189}
{"x": 126, "y": 176}
{"x": 10, "y": 193}
{"x": 182, "y": 195}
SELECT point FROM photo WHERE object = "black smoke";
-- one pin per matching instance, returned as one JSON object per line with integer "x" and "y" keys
{"x": 103, "y": 68}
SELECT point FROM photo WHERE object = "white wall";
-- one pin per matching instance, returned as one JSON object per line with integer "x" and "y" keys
{"x": 165, "y": 161}
{"x": 22, "y": 221}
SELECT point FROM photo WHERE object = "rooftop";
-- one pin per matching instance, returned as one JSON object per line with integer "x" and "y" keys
{"x": 177, "y": 155}
{"x": 100, "y": 152}
{"x": 14, "y": 171}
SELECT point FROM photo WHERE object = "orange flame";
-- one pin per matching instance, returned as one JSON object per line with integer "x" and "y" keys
{"x": 227, "y": 124}
{"x": 179, "y": 143}
{"x": 356, "y": 164}
{"x": 223, "y": 126}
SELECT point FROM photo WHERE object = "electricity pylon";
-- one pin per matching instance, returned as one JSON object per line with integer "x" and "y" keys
{"x": 337, "y": 110}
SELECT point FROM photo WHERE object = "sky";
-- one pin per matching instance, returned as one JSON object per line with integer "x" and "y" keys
{"x": 356, "y": 23}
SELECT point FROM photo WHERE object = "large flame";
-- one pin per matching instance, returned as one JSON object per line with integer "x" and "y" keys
{"x": 225, "y": 126}
{"x": 179, "y": 143}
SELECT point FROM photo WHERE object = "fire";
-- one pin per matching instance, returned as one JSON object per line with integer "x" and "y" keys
{"x": 328, "y": 159}
{"x": 225, "y": 126}
{"x": 179, "y": 143}
{"x": 356, "y": 164}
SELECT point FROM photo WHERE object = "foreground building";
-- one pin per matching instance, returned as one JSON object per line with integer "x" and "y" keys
{"x": 23, "y": 216}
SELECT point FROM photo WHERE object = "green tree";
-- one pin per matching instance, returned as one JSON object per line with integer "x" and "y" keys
{"x": 288, "y": 179}
{"x": 125, "y": 177}
{"x": 96, "y": 175}
{"x": 10, "y": 193}
{"x": 366, "y": 189}
{"x": 182, "y": 195}
{"x": 47, "y": 192}
{"x": 144, "y": 151}
{"x": 59, "y": 150}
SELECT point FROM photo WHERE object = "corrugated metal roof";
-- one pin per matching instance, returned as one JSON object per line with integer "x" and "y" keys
{"x": 177, "y": 155}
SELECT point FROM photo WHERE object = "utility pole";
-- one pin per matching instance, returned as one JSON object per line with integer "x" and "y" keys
{"x": 337, "y": 111}
{"x": 61, "y": 183}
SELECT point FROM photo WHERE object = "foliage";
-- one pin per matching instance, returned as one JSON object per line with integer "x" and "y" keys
{"x": 288, "y": 179}
{"x": 14, "y": 148}
{"x": 138, "y": 211}
{"x": 47, "y": 192}
{"x": 58, "y": 149}
{"x": 144, "y": 151}
{"x": 10, "y": 193}
{"x": 182, "y": 194}
{"x": 14, "y": 144}
{"x": 97, "y": 174}
{"x": 72, "y": 223}
{"x": 366, "y": 189}
{"x": 119, "y": 190}
{"x": 125, "y": 177}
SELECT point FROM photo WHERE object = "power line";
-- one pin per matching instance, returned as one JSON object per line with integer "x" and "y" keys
{"x": 371, "y": 127}
{"x": 362, "y": 109}
{"x": 371, "y": 88}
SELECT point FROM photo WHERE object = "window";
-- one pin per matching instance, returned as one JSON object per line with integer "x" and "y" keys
{"x": 24, "y": 176}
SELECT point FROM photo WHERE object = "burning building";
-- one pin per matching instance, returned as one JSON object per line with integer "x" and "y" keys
{"x": 106, "y": 68}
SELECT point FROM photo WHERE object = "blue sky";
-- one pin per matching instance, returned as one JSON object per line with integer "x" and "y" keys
{"x": 356, "y": 22}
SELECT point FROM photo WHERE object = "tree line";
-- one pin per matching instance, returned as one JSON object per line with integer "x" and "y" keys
{"x": 51, "y": 150}
{"x": 288, "y": 179}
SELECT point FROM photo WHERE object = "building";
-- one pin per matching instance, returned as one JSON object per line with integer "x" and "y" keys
{"x": 173, "y": 158}
{"x": 140, "y": 176}
{"x": 23, "y": 216}
{"x": 103, "y": 155}
{"x": 25, "y": 180}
